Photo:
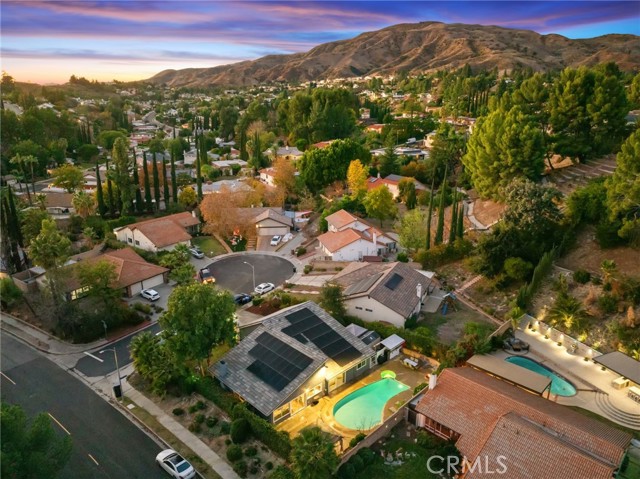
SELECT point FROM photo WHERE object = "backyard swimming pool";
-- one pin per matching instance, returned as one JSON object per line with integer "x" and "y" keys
{"x": 559, "y": 385}
{"x": 362, "y": 409}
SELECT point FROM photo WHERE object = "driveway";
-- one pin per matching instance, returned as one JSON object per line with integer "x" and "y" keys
{"x": 233, "y": 274}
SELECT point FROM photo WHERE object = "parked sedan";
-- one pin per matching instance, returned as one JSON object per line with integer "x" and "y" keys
{"x": 275, "y": 241}
{"x": 150, "y": 294}
{"x": 196, "y": 253}
{"x": 242, "y": 298}
{"x": 265, "y": 288}
{"x": 175, "y": 465}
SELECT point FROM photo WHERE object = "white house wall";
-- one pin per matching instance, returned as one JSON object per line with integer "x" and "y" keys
{"x": 355, "y": 251}
{"x": 371, "y": 310}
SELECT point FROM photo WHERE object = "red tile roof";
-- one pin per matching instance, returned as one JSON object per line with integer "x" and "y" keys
{"x": 334, "y": 241}
{"x": 166, "y": 230}
{"x": 341, "y": 218}
{"x": 472, "y": 404}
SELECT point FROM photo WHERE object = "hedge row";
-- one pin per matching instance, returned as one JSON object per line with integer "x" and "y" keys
{"x": 278, "y": 441}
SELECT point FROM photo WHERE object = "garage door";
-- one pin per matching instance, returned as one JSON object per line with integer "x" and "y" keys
{"x": 151, "y": 282}
{"x": 273, "y": 230}
{"x": 136, "y": 288}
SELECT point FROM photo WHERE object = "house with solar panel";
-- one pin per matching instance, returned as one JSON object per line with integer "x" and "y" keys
{"x": 391, "y": 292}
{"x": 296, "y": 356}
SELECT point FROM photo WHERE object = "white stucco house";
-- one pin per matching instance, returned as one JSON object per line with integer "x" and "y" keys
{"x": 391, "y": 292}
{"x": 159, "y": 234}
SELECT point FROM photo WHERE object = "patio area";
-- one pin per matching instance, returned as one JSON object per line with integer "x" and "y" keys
{"x": 321, "y": 414}
{"x": 595, "y": 388}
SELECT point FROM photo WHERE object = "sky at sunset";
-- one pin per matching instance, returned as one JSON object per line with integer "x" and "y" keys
{"x": 48, "y": 41}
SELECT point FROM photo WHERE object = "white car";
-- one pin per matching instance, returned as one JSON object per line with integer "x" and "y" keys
{"x": 287, "y": 237}
{"x": 176, "y": 465}
{"x": 265, "y": 288}
{"x": 275, "y": 241}
{"x": 150, "y": 294}
{"x": 196, "y": 253}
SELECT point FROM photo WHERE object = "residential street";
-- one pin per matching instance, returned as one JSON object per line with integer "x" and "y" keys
{"x": 105, "y": 443}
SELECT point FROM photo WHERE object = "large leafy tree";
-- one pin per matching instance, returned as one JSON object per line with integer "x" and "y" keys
{"x": 198, "y": 318}
{"x": 154, "y": 361}
{"x": 623, "y": 189}
{"x": 412, "y": 229}
{"x": 357, "y": 176}
{"x": 31, "y": 449}
{"x": 313, "y": 455}
{"x": 100, "y": 278}
{"x": 332, "y": 300}
{"x": 505, "y": 145}
{"x": 321, "y": 167}
{"x": 177, "y": 260}
{"x": 607, "y": 111}
{"x": 31, "y": 223}
{"x": 68, "y": 177}
{"x": 379, "y": 203}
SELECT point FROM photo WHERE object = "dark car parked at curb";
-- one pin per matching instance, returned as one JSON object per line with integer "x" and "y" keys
{"x": 242, "y": 298}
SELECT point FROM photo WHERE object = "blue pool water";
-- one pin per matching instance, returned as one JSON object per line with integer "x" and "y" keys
{"x": 362, "y": 409}
{"x": 559, "y": 386}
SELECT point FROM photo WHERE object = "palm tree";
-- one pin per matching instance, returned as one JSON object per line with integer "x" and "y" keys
{"x": 144, "y": 352}
{"x": 84, "y": 203}
{"x": 609, "y": 269}
{"x": 313, "y": 455}
{"x": 26, "y": 162}
{"x": 569, "y": 311}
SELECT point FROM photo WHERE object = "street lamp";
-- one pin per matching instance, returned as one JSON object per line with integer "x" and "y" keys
{"x": 115, "y": 356}
{"x": 253, "y": 272}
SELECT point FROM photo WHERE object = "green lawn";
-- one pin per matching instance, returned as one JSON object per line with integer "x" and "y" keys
{"x": 209, "y": 245}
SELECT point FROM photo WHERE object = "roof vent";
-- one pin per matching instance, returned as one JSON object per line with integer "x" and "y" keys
{"x": 223, "y": 369}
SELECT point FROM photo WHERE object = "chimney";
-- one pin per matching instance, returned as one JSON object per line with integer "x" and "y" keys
{"x": 419, "y": 291}
{"x": 378, "y": 175}
{"x": 193, "y": 213}
{"x": 223, "y": 370}
{"x": 433, "y": 379}
{"x": 375, "y": 241}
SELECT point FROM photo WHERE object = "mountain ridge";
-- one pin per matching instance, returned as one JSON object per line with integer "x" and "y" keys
{"x": 417, "y": 47}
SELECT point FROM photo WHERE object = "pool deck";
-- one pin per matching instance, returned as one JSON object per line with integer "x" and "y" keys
{"x": 321, "y": 415}
{"x": 595, "y": 390}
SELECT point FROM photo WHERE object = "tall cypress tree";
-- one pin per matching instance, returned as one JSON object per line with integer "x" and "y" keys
{"x": 460, "y": 228}
{"x": 174, "y": 181}
{"x": 156, "y": 182}
{"x": 9, "y": 242}
{"x": 454, "y": 218}
{"x": 165, "y": 182}
{"x": 112, "y": 203}
{"x": 199, "y": 147}
{"x": 441, "y": 207}
{"x": 430, "y": 214}
{"x": 102, "y": 208}
{"x": 14, "y": 219}
{"x": 147, "y": 185}
{"x": 136, "y": 182}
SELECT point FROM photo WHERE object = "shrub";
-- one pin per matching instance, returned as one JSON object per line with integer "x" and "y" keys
{"x": 199, "y": 418}
{"x": 412, "y": 322}
{"x": 419, "y": 388}
{"x": 367, "y": 455}
{"x": 253, "y": 469}
{"x": 178, "y": 411}
{"x": 517, "y": 268}
{"x": 581, "y": 276}
{"x": 278, "y": 441}
{"x": 211, "y": 421}
{"x": 307, "y": 268}
{"x": 282, "y": 472}
{"x": 402, "y": 257}
{"x": 234, "y": 453}
{"x": 195, "y": 426}
{"x": 250, "y": 451}
{"x": 227, "y": 442}
{"x": 257, "y": 301}
{"x": 241, "y": 468}
{"x": 225, "y": 427}
{"x": 608, "y": 303}
{"x": 201, "y": 405}
{"x": 346, "y": 471}
{"x": 10, "y": 294}
{"x": 300, "y": 251}
{"x": 193, "y": 408}
{"x": 268, "y": 465}
{"x": 240, "y": 430}
{"x": 359, "y": 437}
{"x": 357, "y": 463}
{"x": 142, "y": 307}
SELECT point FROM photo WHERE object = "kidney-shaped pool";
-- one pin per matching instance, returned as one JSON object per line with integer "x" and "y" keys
{"x": 362, "y": 409}
{"x": 559, "y": 385}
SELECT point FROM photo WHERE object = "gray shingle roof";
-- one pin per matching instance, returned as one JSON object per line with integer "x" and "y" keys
{"x": 258, "y": 393}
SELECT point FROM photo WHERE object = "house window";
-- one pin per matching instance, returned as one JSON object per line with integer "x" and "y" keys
{"x": 281, "y": 412}
{"x": 358, "y": 308}
{"x": 79, "y": 293}
{"x": 361, "y": 364}
{"x": 368, "y": 310}
{"x": 137, "y": 243}
{"x": 129, "y": 240}
{"x": 317, "y": 389}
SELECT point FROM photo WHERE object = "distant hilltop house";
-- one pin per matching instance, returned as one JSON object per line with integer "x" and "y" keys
{"x": 376, "y": 128}
{"x": 350, "y": 238}
{"x": 290, "y": 153}
{"x": 391, "y": 292}
{"x": 225, "y": 185}
{"x": 392, "y": 182}
{"x": 160, "y": 234}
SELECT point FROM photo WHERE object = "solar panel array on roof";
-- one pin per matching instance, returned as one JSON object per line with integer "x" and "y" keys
{"x": 363, "y": 285}
{"x": 306, "y": 326}
{"x": 277, "y": 363}
{"x": 393, "y": 282}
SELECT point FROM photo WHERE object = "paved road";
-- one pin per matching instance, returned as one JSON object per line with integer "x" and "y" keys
{"x": 91, "y": 367}
{"x": 120, "y": 449}
{"x": 231, "y": 273}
